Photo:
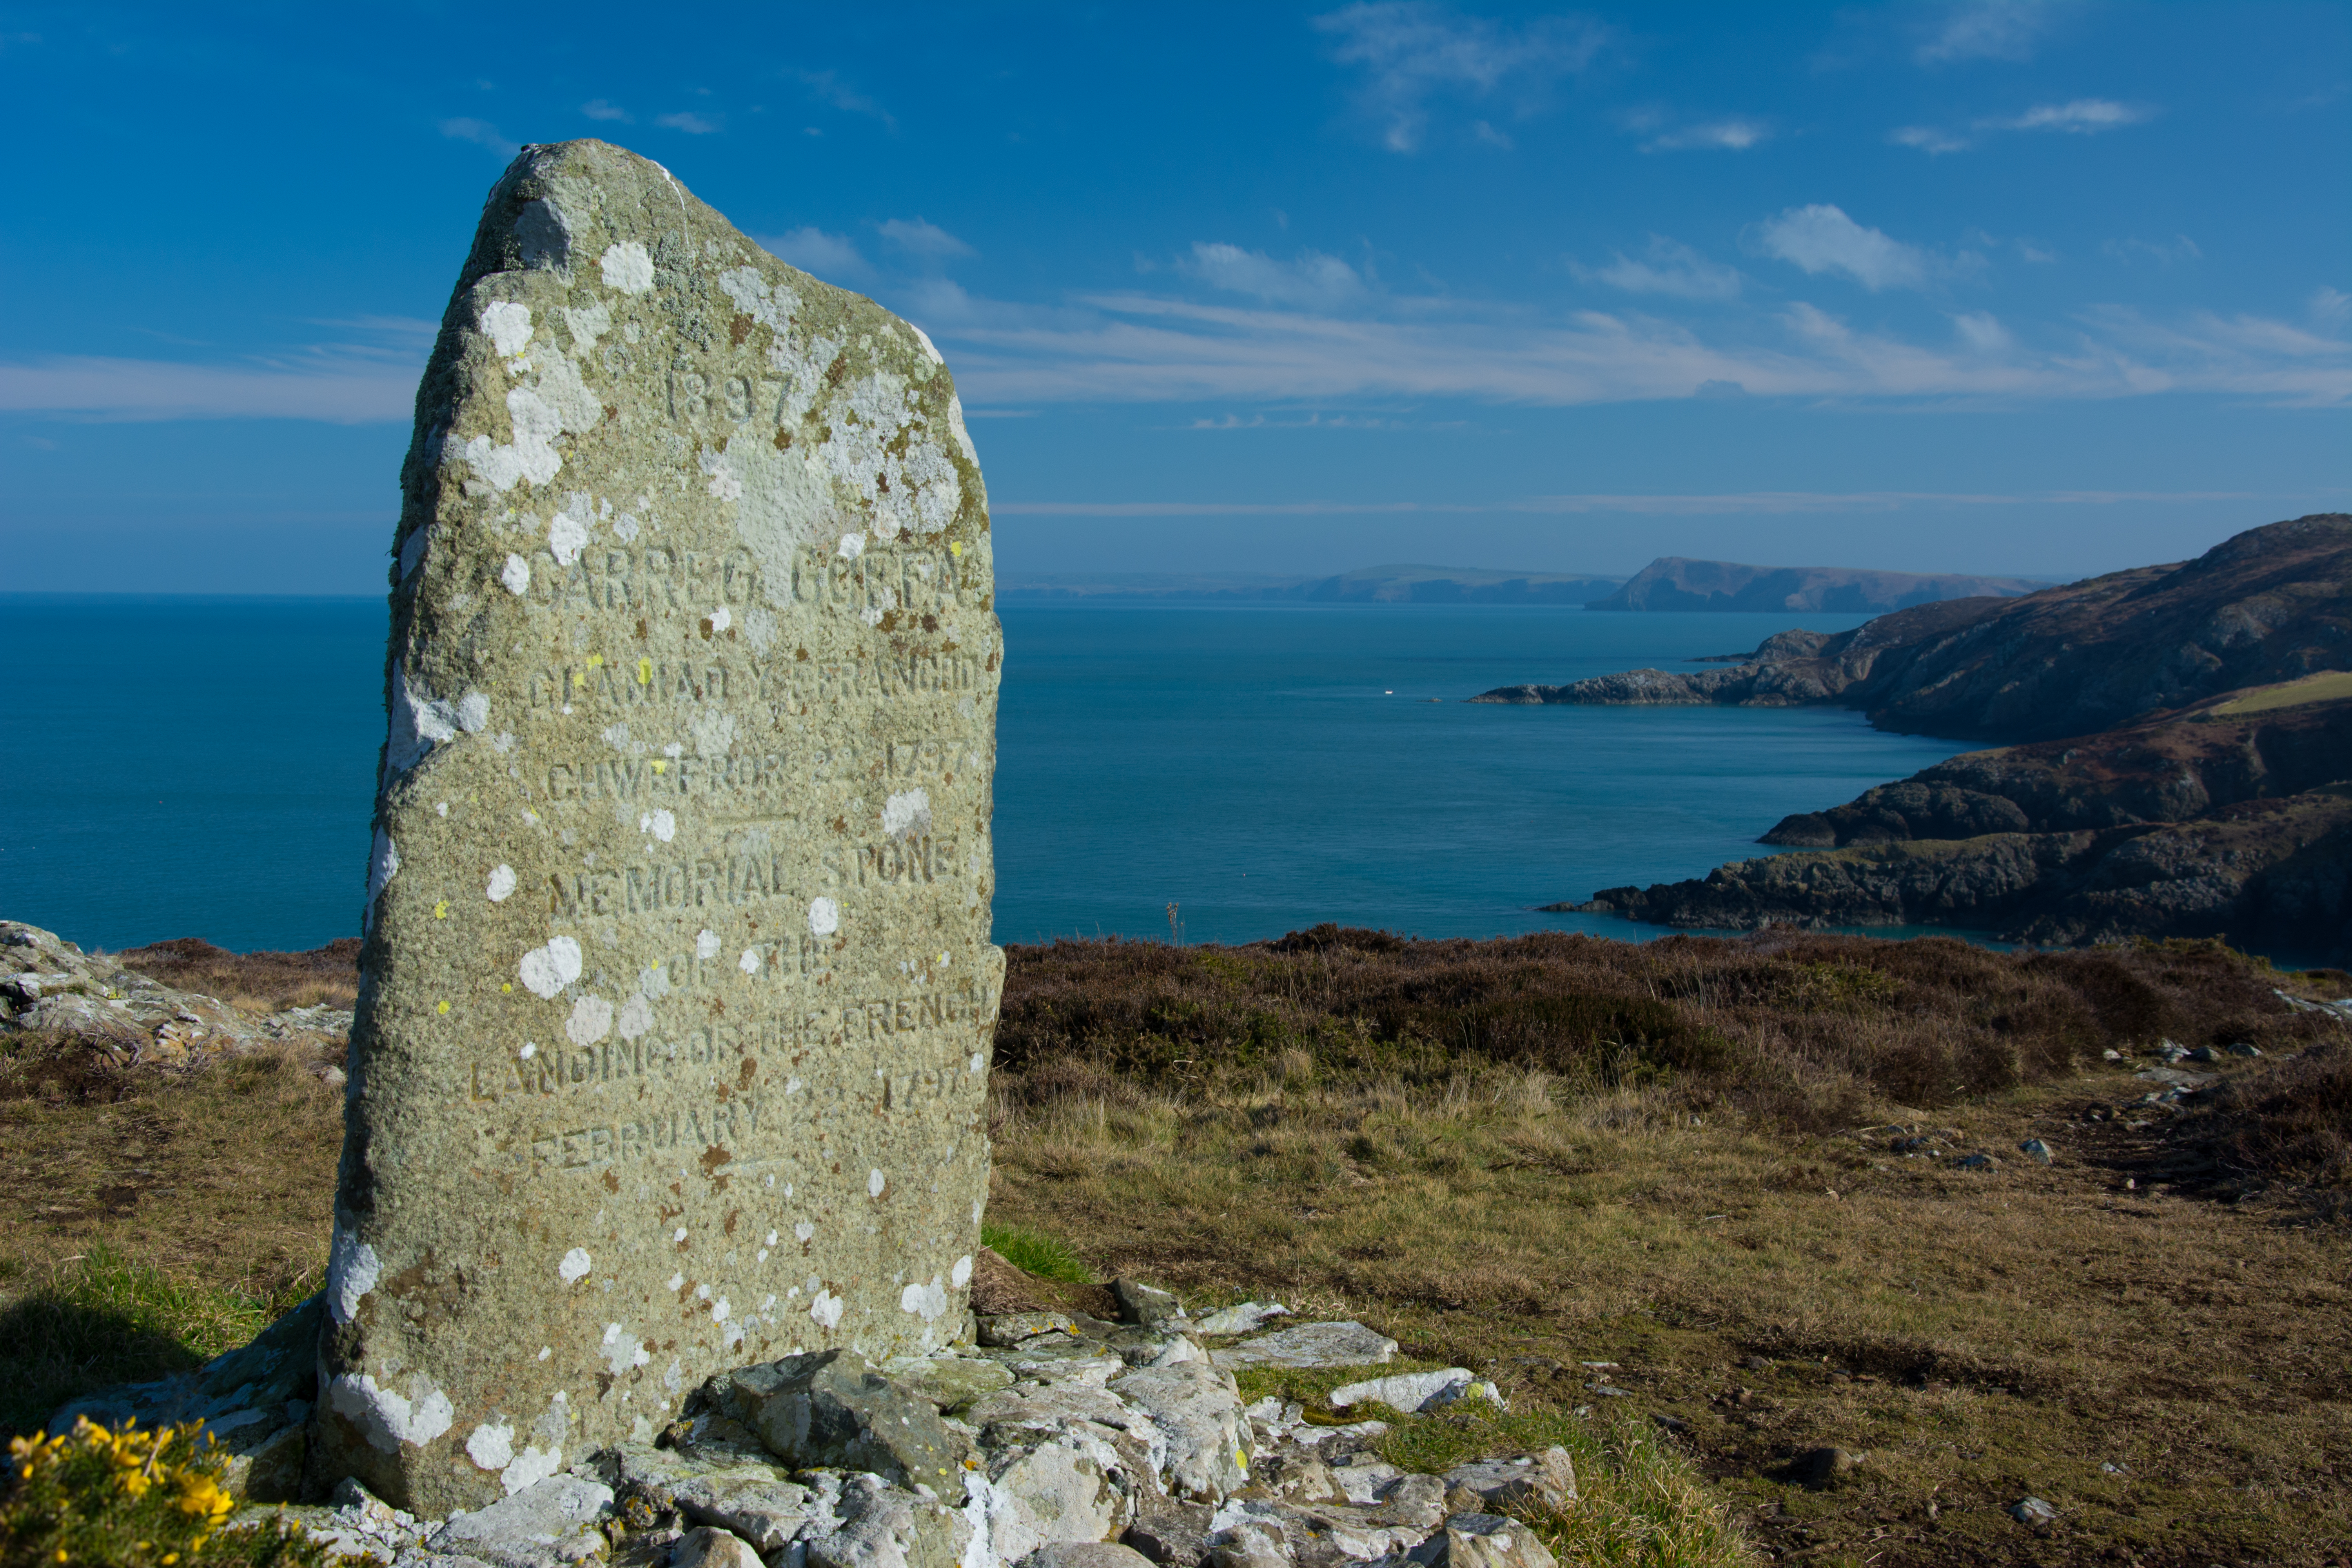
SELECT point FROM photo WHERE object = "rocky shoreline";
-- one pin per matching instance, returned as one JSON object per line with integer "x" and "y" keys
{"x": 2184, "y": 742}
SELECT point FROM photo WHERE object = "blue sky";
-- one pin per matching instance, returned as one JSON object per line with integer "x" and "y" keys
{"x": 1992, "y": 286}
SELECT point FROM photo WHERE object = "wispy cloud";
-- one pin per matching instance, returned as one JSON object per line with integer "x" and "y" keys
{"x": 1821, "y": 239}
{"x": 2081, "y": 116}
{"x": 918, "y": 237}
{"x": 1672, "y": 268}
{"x": 482, "y": 133}
{"x": 1928, "y": 139}
{"x": 2331, "y": 306}
{"x": 598, "y": 109}
{"x": 1732, "y": 135}
{"x": 1986, "y": 30}
{"x": 325, "y": 390}
{"x": 1729, "y": 504}
{"x": 832, "y": 257}
{"x": 1413, "y": 52}
{"x": 692, "y": 123}
{"x": 1313, "y": 280}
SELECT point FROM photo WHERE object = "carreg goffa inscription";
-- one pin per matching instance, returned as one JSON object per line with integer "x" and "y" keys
{"x": 678, "y": 991}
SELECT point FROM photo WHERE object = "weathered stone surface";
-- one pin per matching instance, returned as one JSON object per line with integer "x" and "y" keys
{"x": 1406, "y": 1390}
{"x": 1310, "y": 1345}
{"x": 951, "y": 1382}
{"x": 676, "y": 991}
{"x": 1196, "y": 1409}
{"x": 834, "y": 1410}
{"x": 1174, "y": 1534}
{"x": 760, "y": 1502}
{"x": 1148, "y": 1305}
{"x": 707, "y": 1548}
{"x": 882, "y": 1526}
{"x": 1015, "y": 1328}
{"x": 550, "y": 1522}
{"x": 1483, "y": 1541}
{"x": 49, "y": 983}
{"x": 1086, "y": 1555}
{"x": 1544, "y": 1480}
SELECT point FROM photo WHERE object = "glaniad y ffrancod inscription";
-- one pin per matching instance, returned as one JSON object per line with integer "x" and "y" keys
{"x": 677, "y": 992}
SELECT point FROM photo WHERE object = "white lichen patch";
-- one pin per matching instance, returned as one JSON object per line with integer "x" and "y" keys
{"x": 547, "y": 970}
{"x": 387, "y": 1419}
{"x": 507, "y": 326}
{"x": 491, "y": 1446}
{"x": 823, "y": 917}
{"x": 501, "y": 885}
{"x": 353, "y": 1270}
{"x": 875, "y": 1182}
{"x": 962, "y": 1275}
{"x": 713, "y": 728}
{"x": 926, "y": 1301}
{"x": 627, "y": 266}
{"x": 827, "y": 1310}
{"x": 591, "y": 1021}
{"x": 636, "y": 1018}
{"x": 567, "y": 536}
{"x": 575, "y": 1265}
{"x": 707, "y": 945}
{"x": 516, "y": 576}
{"x": 907, "y": 815}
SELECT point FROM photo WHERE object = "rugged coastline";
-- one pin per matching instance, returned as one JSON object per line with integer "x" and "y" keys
{"x": 2183, "y": 740}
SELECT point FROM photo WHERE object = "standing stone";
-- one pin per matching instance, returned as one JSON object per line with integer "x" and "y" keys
{"x": 677, "y": 994}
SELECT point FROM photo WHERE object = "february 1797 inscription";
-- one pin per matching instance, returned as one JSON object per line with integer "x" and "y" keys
{"x": 678, "y": 991}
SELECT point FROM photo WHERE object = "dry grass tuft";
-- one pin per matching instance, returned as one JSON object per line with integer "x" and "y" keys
{"x": 256, "y": 982}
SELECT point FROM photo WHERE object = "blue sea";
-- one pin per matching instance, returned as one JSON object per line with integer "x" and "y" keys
{"x": 187, "y": 766}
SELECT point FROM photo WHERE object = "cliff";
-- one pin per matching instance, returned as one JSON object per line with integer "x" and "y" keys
{"x": 1674, "y": 583}
{"x": 2269, "y": 605}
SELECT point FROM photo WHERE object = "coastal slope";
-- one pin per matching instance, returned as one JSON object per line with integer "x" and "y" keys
{"x": 1678, "y": 583}
{"x": 2230, "y": 818}
{"x": 2269, "y": 605}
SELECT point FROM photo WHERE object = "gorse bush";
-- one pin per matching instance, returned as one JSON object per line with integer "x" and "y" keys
{"x": 133, "y": 1499}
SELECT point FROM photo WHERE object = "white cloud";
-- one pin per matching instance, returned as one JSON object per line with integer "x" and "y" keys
{"x": 1412, "y": 52}
{"x": 692, "y": 124}
{"x": 2082, "y": 117}
{"x": 1928, "y": 139}
{"x": 832, "y": 257}
{"x": 1672, "y": 268}
{"x": 2331, "y": 305}
{"x": 598, "y": 108}
{"x": 1987, "y": 30}
{"x": 1716, "y": 135}
{"x": 482, "y": 133}
{"x": 921, "y": 238}
{"x": 1982, "y": 331}
{"x": 1821, "y": 239}
{"x": 351, "y": 392}
{"x": 1313, "y": 280}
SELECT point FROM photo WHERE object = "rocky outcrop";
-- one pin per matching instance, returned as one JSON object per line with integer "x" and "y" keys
{"x": 49, "y": 985}
{"x": 1674, "y": 583}
{"x": 1084, "y": 1443}
{"x": 2273, "y": 873}
{"x": 2176, "y": 769}
{"x": 2268, "y": 606}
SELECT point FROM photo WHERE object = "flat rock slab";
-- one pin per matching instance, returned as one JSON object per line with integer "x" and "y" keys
{"x": 676, "y": 990}
{"x": 1544, "y": 1478}
{"x": 545, "y": 1525}
{"x": 1310, "y": 1345}
{"x": 834, "y": 1410}
{"x": 1406, "y": 1390}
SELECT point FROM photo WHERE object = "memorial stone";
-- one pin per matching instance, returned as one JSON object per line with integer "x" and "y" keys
{"x": 676, "y": 991}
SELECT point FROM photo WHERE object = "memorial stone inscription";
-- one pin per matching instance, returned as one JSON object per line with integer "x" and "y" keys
{"x": 677, "y": 992}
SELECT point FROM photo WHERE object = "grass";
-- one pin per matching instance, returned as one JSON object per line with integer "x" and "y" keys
{"x": 1035, "y": 1252}
{"x": 172, "y": 1216}
{"x": 2329, "y": 686}
{"x": 1706, "y": 1196}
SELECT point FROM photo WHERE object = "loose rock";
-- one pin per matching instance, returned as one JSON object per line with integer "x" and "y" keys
{"x": 1535, "y": 1480}
{"x": 1309, "y": 1345}
{"x": 835, "y": 1409}
{"x": 545, "y": 1525}
{"x": 709, "y": 1548}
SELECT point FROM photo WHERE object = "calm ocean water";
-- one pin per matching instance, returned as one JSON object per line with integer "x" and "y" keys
{"x": 202, "y": 767}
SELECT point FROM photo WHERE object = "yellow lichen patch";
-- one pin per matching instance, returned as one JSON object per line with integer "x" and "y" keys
{"x": 441, "y": 910}
{"x": 645, "y": 672}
